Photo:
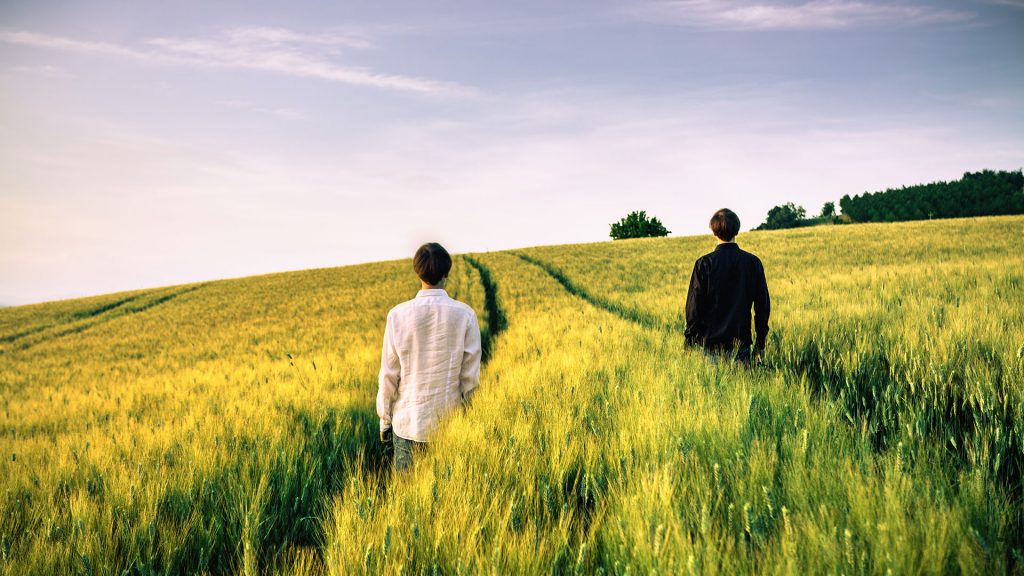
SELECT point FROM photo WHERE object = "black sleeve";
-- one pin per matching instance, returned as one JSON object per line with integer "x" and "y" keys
{"x": 694, "y": 307}
{"x": 762, "y": 307}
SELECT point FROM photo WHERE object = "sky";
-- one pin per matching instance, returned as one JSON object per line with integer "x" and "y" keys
{"x": 144, "y": 144}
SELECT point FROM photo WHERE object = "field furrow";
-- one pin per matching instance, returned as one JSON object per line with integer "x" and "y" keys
{"x": 624, "y": 312}
{"x": 15, "y": 328}
{"x": 87, "y": 319}
{"x": 494, "y": 321}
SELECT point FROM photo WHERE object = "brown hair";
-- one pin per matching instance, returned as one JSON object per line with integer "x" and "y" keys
{"x": 725, "y": 224}
{"x": 432, "y": 263}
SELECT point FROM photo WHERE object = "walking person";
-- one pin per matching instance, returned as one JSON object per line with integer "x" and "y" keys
{"x": 723, "y": 287}
{"x": 430, "y": 362}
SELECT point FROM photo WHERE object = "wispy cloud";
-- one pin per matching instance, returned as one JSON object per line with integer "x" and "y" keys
{"x": 281, "y": 112}
{"x": 279, "y": 36}
{"x": 813, "y": 15}
{"x": 275, "y": 50}
{"x": 37, "y": 40}
{"x": 45, "y": 71}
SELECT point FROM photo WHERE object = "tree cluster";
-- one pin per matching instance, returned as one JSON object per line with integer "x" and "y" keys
{"x": 985, "y": 193}
{"x": 638, "y": 225}
{"x": 788, "y": 215}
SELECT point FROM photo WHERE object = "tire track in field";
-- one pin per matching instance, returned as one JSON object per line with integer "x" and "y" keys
{"x": 104, "y": 314}
{"x": 70, "y": 318}
{"x": 7, "y": 339}
{"x": 497, "y": 321}
{"x": 636, "y": 316}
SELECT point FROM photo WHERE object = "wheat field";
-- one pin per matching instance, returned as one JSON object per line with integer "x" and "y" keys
{"x": 229, "y": 427}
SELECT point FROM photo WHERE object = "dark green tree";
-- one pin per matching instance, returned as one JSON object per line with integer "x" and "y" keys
{"x": 984, "y": 193}
{"x": 788, "y": 215}
{"x": 828, "y": 211}
{"x": 638, "y": 225}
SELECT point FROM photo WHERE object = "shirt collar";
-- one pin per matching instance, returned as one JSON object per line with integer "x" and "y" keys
{"x": 727, "y": 246}
{"x": 424, "y": 293}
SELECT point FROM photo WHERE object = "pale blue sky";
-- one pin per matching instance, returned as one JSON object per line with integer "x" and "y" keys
{"x": 150, "y": 143}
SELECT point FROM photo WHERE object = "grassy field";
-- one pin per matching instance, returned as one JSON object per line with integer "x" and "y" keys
{"x": 228, "y": 427}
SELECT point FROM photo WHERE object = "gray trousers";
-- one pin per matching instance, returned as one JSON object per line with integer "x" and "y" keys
{"x": 404, "y": 450}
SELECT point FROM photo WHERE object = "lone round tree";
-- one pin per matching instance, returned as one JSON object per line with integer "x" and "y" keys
{"x": 638, "y": 225}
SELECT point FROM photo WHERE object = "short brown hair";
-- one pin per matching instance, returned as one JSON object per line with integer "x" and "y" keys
{"x": 432, "y": 263}
{"x": 725, "y": 224}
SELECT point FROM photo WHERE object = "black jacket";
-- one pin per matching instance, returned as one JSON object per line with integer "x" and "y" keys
{"x": 723, "y": 286}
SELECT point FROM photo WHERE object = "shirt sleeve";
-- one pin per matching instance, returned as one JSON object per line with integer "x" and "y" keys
{"x": 389, "y": 377}
{"x": 762, "y": 308}
{"x": 694, "y": 305}
{"x": 469, "y": 377}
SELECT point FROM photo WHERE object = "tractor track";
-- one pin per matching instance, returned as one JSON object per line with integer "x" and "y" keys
{"x": 637, "y": 317}
{"x": 497, "y": 321}
{"x": 97, "y": 316}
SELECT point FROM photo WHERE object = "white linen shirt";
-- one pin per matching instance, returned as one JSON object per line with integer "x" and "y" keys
{"x": 430, "y": 363}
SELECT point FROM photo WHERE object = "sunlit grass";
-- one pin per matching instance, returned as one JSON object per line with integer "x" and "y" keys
{"x": 231, "y": 429}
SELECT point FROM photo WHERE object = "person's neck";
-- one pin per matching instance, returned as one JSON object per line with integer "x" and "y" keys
{"x": 720, "y": 241}
{"x": 438, "y": 286}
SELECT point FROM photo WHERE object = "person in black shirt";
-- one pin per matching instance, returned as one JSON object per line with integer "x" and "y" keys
{"x": 723, "y": 286}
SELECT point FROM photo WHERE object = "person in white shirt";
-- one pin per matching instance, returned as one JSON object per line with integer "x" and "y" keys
{"x": 430, "y": 362}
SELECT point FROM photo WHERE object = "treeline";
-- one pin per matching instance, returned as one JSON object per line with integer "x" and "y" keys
{"x": 985, "y": 193}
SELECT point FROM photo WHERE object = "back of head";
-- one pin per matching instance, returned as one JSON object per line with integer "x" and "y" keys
{"x": 725, "y": 224}
{"x": 432, "y": 263}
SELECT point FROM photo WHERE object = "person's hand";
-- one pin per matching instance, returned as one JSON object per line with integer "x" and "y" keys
{"x": 387, "y": 445}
